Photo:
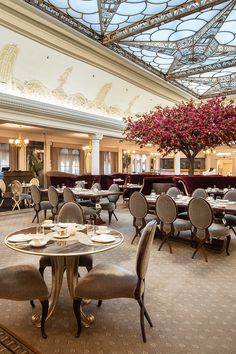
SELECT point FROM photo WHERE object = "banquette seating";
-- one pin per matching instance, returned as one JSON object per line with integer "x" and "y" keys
{"x": 189, "y": 183}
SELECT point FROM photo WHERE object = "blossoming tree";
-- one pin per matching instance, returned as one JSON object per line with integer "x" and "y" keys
{"x": 188, "y": 127}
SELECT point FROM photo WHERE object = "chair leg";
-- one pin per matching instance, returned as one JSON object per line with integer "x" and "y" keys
{"x": 45, "y": 213}
{"x": 165, "y": 240}
{"x": 200, "y": 246}
{"x": 136, "y": 234}
{"x": 99, "y": 303}
{"x": 227, "y": 245}
{"x": 146, "y": 314}
{"x": 109, "y": 216}
{"x": 41, "y": 271}
{"x": 142, "y": 319}
{"x": 34, "y": 217}
{"x": 76, "y": 307}
{"x": 232, "y": 228}
{"x": 115, "y": 215}
{"x": 44, "y": 316}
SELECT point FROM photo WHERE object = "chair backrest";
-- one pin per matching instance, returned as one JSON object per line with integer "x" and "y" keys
{"x": 34, "y": 181}
{"x": 144, "y": 248}
{"x": 200, "y": 213}
{"x": 2, "y": 186}
{"x": 96, "y": 185}
{"x": 230, "y": 195}
{"x": 35, "y": 194}
{"x": 53, "y": 196}
{"x": 160, "y": 188}
{"x": 166, "y": 209}
{"x": 16, "y": 187}
{"x": 173, "y": 192}
{"x": 138, "y": 205}
{"x": 200, "y": 193}
{"x": 68, "y": 195}
{"x": 71, "y": 212}
{"x": 113, "y": 188}
{"x": 80, "y": 184}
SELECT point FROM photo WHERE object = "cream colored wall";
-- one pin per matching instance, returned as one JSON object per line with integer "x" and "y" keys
{"x": 36, "y": 71}
{"x": 223, "y": 154}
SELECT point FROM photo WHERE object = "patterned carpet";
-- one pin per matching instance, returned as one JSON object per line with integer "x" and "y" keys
{"x": 10, "y": 343}
{"x": 192, "y": 303}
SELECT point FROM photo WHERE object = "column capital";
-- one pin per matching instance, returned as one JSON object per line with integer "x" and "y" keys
{"x": 96, "y": 136}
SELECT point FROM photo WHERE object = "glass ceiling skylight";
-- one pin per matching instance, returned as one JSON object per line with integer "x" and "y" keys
{"x": 191, "y": 43}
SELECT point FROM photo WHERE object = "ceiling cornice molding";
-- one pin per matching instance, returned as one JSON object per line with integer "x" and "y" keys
{"x": 17, "y": 109}
{"x": 28, "y": 21}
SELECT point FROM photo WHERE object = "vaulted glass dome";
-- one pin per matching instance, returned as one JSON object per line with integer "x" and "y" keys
{"x": 190, "y": 43}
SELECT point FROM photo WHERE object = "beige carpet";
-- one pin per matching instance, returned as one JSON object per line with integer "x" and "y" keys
{"x": 192, "y": 304}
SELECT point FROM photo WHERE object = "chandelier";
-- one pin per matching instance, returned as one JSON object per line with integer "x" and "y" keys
{"x": 19, "y": 142}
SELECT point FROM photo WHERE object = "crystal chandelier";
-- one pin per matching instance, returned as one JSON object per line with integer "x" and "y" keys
{"x": 19, "y": 142}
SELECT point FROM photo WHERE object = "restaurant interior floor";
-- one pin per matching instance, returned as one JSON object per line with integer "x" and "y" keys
{"x": 191, "y": 302}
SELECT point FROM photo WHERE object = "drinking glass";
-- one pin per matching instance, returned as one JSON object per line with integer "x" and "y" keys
{"x": 39, "y": 231}
{"x": 90, "y": 229}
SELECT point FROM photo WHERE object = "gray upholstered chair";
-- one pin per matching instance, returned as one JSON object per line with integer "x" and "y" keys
{"x": 38, "y": 204}
{"x": 69, "y": 196}
{"x": 173, "y": 192}
{"x": 96, "y": 186}
{"x": 166, "y": 211}
{"x": 109, "y": 281}
{"x": 80, "y": 184}
{"x": 201, "y": 217}
{"x": 53, "y": 197}
{"x": 18, "y": 196}
{"x": 110, "y": 204}
{"x": 4, "y": 195}
{"x": 200, "y": 193}
{"x": 72, "y": 213}
{"x": 22, "y": 283}
{"x": 138, "y": 208}
{"x": 229, "y": 219}
{"x": 34, "y": 181}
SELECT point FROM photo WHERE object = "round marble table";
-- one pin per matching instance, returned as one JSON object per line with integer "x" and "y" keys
{"x": 64, "y": 254}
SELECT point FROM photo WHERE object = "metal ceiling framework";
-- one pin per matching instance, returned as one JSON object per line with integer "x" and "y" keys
{"x": 190, "y": 43}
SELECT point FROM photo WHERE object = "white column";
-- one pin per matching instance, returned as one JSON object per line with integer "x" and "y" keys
{"x": 22, "y": 158}
{"x": 95, "y": 153}
{"x": 177, "y": 163}
{"x": 157, "y": 166}
{"x": 120, "y": 160}
{"x": 47, "y": 159}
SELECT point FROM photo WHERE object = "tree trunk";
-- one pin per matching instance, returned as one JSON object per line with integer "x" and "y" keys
{"x": 191, "y": 166}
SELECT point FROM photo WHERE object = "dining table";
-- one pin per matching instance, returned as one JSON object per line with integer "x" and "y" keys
{"x": 64, "y": 252}
{"x": 183, "y": 201}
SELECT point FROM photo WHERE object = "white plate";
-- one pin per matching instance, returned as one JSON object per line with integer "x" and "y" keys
{"x": 103, "y": 238}
{"x": 66, "y": 224}
{"x": 60, "y": 236}
{"x": 47, "y": 225}
{"x": 19, "y": 238}
{"x": 80, "y": 227}
{"x": 38, "y": 244}
{"x": 102, "y": 230}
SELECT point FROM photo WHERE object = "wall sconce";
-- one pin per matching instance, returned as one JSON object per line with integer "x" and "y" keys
{"x": 87, "y": 150}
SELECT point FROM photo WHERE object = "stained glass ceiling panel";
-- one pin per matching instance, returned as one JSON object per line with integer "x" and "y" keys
{"x": 190, "y": 43}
